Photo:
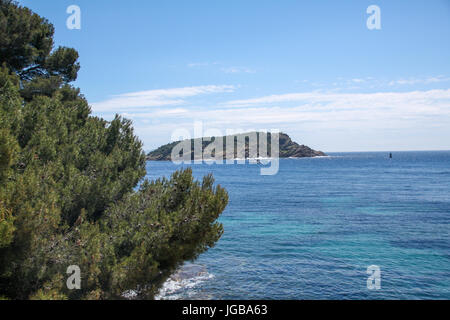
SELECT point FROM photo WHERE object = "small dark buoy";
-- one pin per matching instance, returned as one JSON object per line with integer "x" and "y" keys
{"x": 390, "y": 155}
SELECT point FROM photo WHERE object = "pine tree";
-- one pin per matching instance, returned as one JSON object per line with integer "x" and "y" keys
{"x": 68, "y": 179}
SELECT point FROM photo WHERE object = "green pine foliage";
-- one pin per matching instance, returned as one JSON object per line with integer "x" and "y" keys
{"x": 68, "y": 184}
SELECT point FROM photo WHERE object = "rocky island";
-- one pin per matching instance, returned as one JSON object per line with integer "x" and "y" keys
{"x": 287, "y": 147}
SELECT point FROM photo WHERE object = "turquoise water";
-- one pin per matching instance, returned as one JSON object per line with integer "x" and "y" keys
{"x": 311, "y": 231}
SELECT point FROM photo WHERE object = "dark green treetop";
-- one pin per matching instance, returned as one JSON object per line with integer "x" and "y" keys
{"x": 26, "y": 45}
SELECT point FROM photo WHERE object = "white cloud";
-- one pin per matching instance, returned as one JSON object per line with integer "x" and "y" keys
{"x": 157, "y": 113}
{"x": 413, "y": 81}
{"x": 337, "y": 110}
{"x": 201, "y": 64}
{"x": 352, "y": 100}
{"x": 238, "y": 70}
{"x": 225, "y": 69}
{"x": 330, "y": 120}
{"x": 153, "y": 98}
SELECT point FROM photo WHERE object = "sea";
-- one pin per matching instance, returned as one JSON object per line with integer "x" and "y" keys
{"x": 320, "y": 227}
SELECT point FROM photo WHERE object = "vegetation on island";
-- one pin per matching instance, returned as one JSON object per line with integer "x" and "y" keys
{"x": 287, "y": 147}
{"x": 68, "y": 184}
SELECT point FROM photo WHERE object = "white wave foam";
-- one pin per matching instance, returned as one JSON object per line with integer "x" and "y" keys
{"x": 317, "y": 157}
{"x": 178, "y": 285}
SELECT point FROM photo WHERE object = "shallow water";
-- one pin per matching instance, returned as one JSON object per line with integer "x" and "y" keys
{"x": 311, "y": 231}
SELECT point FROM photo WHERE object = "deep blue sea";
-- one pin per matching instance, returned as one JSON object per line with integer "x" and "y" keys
{"x": 311, "y": 231}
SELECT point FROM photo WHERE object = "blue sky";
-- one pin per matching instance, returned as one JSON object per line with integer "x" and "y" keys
{"x": 309, "y": 68}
